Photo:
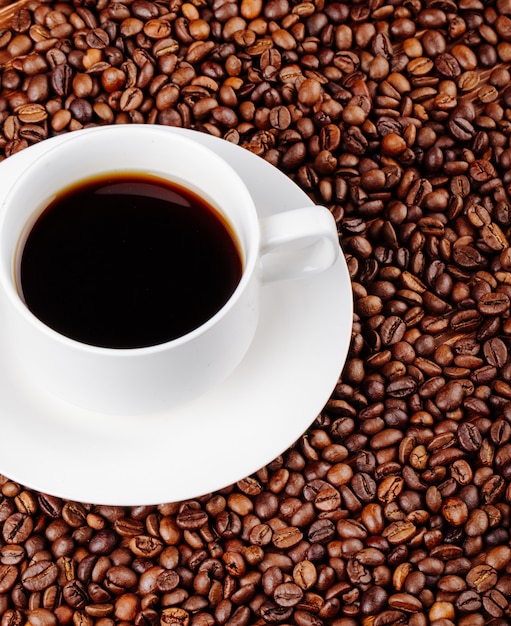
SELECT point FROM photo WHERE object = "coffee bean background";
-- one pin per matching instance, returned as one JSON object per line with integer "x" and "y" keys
{"x": 394, "y": 507}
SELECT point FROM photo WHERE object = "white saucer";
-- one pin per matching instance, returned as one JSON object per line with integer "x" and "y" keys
{"x": 229, "y": 433}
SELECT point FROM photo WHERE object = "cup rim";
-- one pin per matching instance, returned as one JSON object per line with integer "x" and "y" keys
{"x": 7, "y": 275}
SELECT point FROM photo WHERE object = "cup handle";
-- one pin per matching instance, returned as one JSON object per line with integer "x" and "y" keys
{"x": 297, "y": 243}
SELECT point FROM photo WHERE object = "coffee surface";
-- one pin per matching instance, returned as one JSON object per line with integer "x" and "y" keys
{"x": 128, "y": 261}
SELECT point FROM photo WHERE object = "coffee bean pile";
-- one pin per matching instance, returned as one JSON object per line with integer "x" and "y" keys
{"x": 394, "y": 507}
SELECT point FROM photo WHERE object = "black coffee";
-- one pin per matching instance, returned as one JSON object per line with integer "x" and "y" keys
{"x": 128, "y": 261}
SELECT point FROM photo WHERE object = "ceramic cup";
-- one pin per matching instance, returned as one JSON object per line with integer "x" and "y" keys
{"x": 143, "y": 380}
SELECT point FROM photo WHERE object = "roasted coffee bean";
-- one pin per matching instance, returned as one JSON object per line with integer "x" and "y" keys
{"x": 321, "y": 531}
{"x": 61, "y": 79}
{"x": 461, "y": 129}
{"x": 468, "y": 602}
{"x": 481, "y": 578}
{"x": 39, "y": 576}
{"x": 495, "y": 603}
{"x": 364, "y": 486}
{"x": 103, "y": 542}
{"x": 405, "y": 601}
{"x": 288, "y": 594}
{"x": 469, "y": 437}
{"x": 17, "y": 528}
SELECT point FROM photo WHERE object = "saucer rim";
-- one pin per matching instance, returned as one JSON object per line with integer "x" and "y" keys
{"x": 76, "y": 427}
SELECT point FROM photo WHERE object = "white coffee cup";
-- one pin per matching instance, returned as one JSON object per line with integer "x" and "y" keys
{"x": 143, "y": 380}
